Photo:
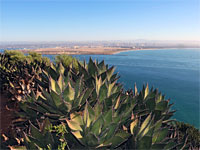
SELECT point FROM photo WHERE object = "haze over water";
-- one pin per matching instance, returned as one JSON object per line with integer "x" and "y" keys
{"x": 175, "y": 72}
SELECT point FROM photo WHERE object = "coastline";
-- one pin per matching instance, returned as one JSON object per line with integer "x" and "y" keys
{"x": 89, "y": 50}
{"x": 85, "y": 50}
{"x": 144, "y": 49}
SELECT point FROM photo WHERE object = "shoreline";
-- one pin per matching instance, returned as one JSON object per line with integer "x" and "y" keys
{"x": 144, "y": 49}
{"x": 90, "y": 50}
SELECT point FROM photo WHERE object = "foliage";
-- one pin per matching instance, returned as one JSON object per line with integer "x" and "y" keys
{"x": 66, "y": 61}
{"x": 86, "y": 108}
{"x": 183, "y": 130}
{"x": 15, "y": 56}
{"x": 96, "y": 111}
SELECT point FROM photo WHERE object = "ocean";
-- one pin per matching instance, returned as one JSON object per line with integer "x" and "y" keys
{"x": 175, "y": 72}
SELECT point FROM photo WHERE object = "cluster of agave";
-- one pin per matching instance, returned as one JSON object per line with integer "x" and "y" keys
{"x": 95, "y": 112}
{"x": 18, "y": 78}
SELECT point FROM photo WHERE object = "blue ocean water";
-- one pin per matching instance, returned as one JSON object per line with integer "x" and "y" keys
{"x": 175, "y": 72}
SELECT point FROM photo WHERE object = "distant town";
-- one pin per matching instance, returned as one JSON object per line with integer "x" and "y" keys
{"x": 94, "y": 47}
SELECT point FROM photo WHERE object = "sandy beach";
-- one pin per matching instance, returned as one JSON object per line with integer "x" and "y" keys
{"x": 85, "y": 50}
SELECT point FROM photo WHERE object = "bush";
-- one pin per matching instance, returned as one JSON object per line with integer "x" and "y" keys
{"x": 36, "y": 57}
{"x": 66, "y": 61}
{"x": 15, "y": 56}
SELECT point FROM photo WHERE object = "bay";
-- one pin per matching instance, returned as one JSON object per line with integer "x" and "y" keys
{"x": 175, "y": 72}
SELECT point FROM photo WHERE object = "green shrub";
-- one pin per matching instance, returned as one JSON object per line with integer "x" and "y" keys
{"x": 66, "y": 61}
{"x": 15, "y": 56}
{"x": 36, "y": 57}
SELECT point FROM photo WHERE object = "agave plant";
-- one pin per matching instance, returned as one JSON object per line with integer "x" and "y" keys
{"x": 42, "y": 136}
{"x": 95, "y": 128}
{"x": 17, "y": 76}
{"x": 97, "y": 112}
{"x": 62, "y": 92}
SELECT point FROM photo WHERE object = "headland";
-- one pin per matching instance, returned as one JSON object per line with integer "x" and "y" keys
{"x": 85, "y": 50}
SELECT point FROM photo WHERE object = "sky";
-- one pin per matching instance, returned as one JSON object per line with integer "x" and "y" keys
{"x": 81, "y": 20}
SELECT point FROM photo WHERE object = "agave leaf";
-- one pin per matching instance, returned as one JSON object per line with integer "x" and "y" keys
{"x": 146, "y": 92}
{"x": 110, "y": 87}
{"x": 107, "y": 103}
{"x": 110, "y": 72}
{"x": 160, "y": 135}
{"x": 77, "y": 134}
{"x": 103, "y": 92}
{"x": 60, "y": 82}
{"x": 161, "y": 105}
{"x": 56, "y": 98}
{"x": 68, "y": 93}
{"x": 97, "y": 125}
{"x": 157, "y": 114}
{"x": 114, "y": 141}
{"x": 158, "y": 124}
{"x": 61, "y": 69}
{"x": 145, "y": 142}
{"x": 117, "y": 102}
{"x": 103, "y": 77}
{"x": 101, "y": 67}
{"x": 92, "y": 68}
{"x": 53, "y": 73}
{"x": 133, "y": 125}
{"x": 47, "y": 107}
{"x": 78, "y": 100}
{"x": 169, "y": 115}
{"x": 74, "y": 125}
{"x": 36, "y": 107}
{"x": 64, "y": 107}
{"x": 28, "y": 143}
{"x": 37, "y": 143}
{"x": 52, "y": 84}
{"x": 86, "y": 95}
{"x": 151, "y": 103}
{"x": 92, "y": 141}
{"x": 114, "y": 78}
{"x": 66, "y": 79}
{"x": 78, "y": 87}
{"x": 46, "y": 123}
{"x": 108, "y": 117}
{"x": 148, "y": 130}
{"x": 98, "y": 85}
{"x": 123, "y": 134}
{"x": 97, "y": 110}
{"x": 91, "y": 112}
{"x": 76, "y": 118}
{"x": 35, "y": 132}
{"x": 82, "y": 70}
{"x": 86, "y": 118}
{"x": 159, "y": 98}
{"x": 145, "y": 123}
{"x": 170, "y": 145}
{"x": 49, "y": 140}
{"x": 111, "y": 132}
{"x": 48, "y": 98}
{"x": 136, "y": 91}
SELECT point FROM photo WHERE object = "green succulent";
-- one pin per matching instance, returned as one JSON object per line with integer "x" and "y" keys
{"x": 63, "y": 92}
{"x": 97, "y": 112}
{"x": 95, "y": 128}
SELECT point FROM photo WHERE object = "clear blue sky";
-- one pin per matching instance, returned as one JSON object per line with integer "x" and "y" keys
{"x": 55, "y": 20}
